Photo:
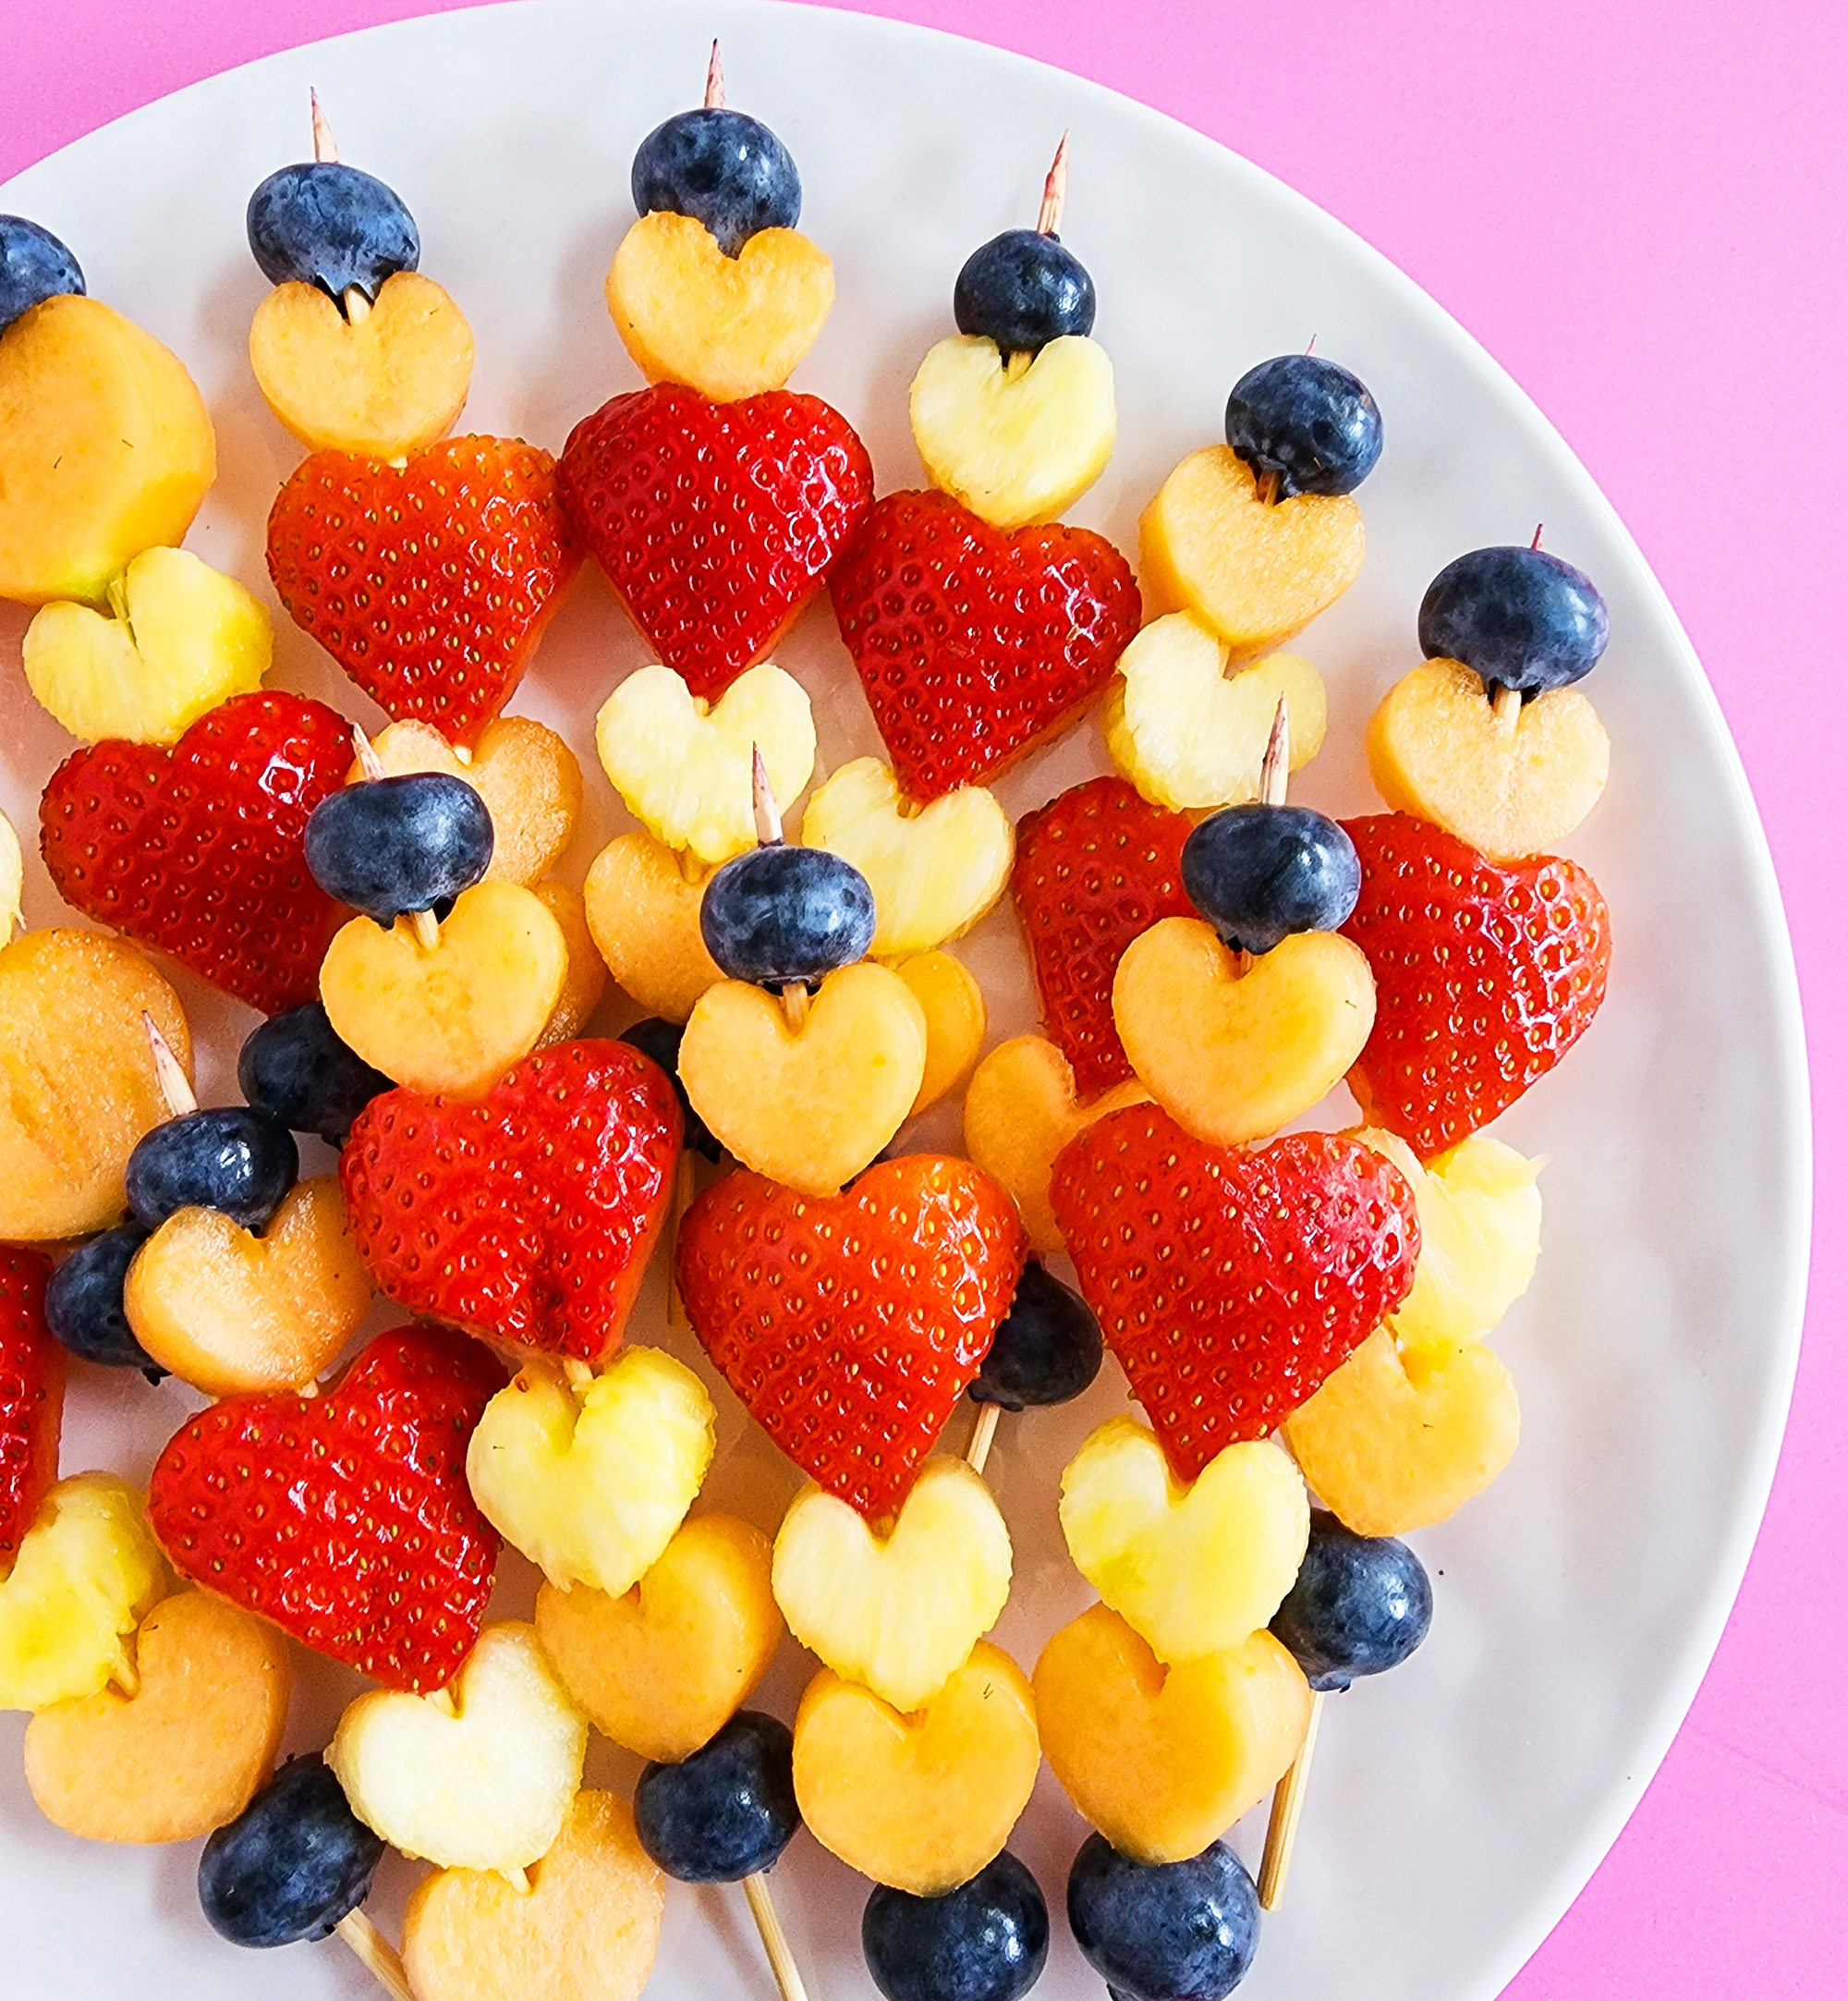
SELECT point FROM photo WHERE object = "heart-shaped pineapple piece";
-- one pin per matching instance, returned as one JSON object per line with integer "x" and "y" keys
{"x": 935, "y": 871}
{"x": 12, "y": 879}
{"x": 1195, "y": 1568}
{"x": 477, "y": 1776}
{"x": 955, "y": 1022}
{"x": 1161, "y": 1760}
{"x": 78, "y": 1087}
{"x": 185, "y": 1752}
{"x": 1256, "y": 573}
{"x": 897, "y": 1612}
{"x": 227, "y": 1311}
{"x": 661, "y": 1669}
{"x": 1186, "y": 734}
{"x": 643, "y": 909}
{"x": 806, "y": 1106}
{"x": 586, "y": 976}
{"x": 449, "y": 1022}
{"x": 922, "y": 1802}
{"x": 1235, "y": 1055}
{"x": 1511, "y": 785}
{"x": 729, "y": 327}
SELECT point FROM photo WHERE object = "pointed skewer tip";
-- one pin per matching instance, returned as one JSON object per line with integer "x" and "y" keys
{"x": 1052, "y": 197}
{"x": 326, "y": 153}
{"x": 174, "y": 1087}
{"x": 763, "y": 803}
{"x": 715, "y": 79}
{"x": 1274, "y": 781}
{"x": 371, "y": 766}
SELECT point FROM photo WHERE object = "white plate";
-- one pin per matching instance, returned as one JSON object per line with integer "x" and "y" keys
{"x": 1459, "y": 1805}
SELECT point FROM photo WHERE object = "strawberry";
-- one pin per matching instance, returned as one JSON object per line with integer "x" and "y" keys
{"x": 429, "y": 582}
{"x": 1092, "y": 870}
{"x": 31, "y": 1397}
{"x": 850, "y": 1326}
{"x": 714, "y": 522}
{"x": 345, "y": 1519}
{"x": 1485, "y": 975}
{"x": 196, "y": 850}
{"x": 1231, "y": 1281}
{"x": 527, "y": 1217}
{"x": 973, "y": 645}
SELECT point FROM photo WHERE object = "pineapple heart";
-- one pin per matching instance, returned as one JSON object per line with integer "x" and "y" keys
{"x": 643, "y": 911}
{"x": 12, "y": 879}
{"x": 955, "y": 1022}
{"x": 897, "y": 1612}
{"x": 1236, "y": 1057}
{"x": 588, "y": 1476}
{"x": 1193, "y": 1569}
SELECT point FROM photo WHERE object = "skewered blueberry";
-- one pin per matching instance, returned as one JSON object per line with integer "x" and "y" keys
{"x": 1308, "y": 420}
{"x": 34, "y": 266}
{"x": 983, "y": 1942}
{"x": 1163, "y": 1931}
{"x": 292, "y": 1864}
{"x": 725, "y": 170}
{"x": 392, "y": 847}
{"x": 1023, "y": 289}
{"x": 1047, "y": 1350}
{"x": 658, "y": 1041}
{"x": 323, "y": 223}
{"x": 83, "y": 1302}
{"x": 1256, "y": 873}
{"x": 295, "y": 1068}
{"x": 228, "y": 1158}
{"x": 781, "y": 914}
{"x": 1520, "y": 617}
{"x": 727, "y": 1812}
{"x": 1360, "y": 1604}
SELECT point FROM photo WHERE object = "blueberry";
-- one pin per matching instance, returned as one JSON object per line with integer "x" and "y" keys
{"x": 1047, "y": 1350}
{"x": 984, "y": 1942}
{"x": 1520, "y": 617}
{"x": 658, "y": 1041}
{"x": 1256, "y": 873}
{"x": 83, "y": 1302}
{"x": 292, "y": 1864}
{"x": 780, "y": 914}
{"x": 721, "y": 168}
{"x": 727, "y": 1812}
{"x": 1022, "y": 290}
{"x": 228, "y": 1158}
{"x": 34, "y": 266}
{"x": 1360, "y": 1604}
{"x": 1310, "y": 422}
{"x": 1163, "y": 1931}
{"x": 297, "y": 1071}
{"x": 324, "y": 224}
{"x": 395, "y": 845}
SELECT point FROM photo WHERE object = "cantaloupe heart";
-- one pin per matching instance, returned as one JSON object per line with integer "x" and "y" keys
{"x": 644, "y": 914}
{"x": 586, "y": 976}
{"x": 955, "y": 1022}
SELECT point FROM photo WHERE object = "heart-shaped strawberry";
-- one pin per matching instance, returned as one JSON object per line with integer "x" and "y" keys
{"x": 429, "y": 582}
{"x": 31, "y": 1397}
{"x": 196, "y": 850}
{"x": 526, "y": 1216}
{"x": 972, "y": 644}
{"x": 345, "y": 1519}
{"x": 1093, "y": 869}
{"x": 1230, "y": 1280}
{"x": 850, "y": 1325}
{"x": 1484, "y": 976}
{"x": 714, "y": 522}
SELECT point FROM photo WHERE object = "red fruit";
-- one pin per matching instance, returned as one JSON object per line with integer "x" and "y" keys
{"x": 345, "y": 1519}
{"x": 849, "y": 1327}
{"x": 527, "y": 1217}
{"x": 1485, "y": 976}
{"x": 1092, "y": 870}
{"x": 196, "y": 850}
{"x": 31, "y": 1397}
{"x": 430, "y": 582}
{"x": 714, "y": 522}
{"x": 973, "y": 645}
{"x": 1231, "y": 1281}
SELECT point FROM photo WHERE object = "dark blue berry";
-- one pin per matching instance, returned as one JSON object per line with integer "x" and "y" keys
{"x": 1256, "y": 873}
{"x": 228, "y": 1158}
{"x": 295, "y": 1068}
{"x": 1310, "y": 422}
{"x": 780, "y": 914}
{"x": 83, "y": 1302}
{"x": 1047, "y": 1350}
{"x": 391, "y": 847}
{"x": 727, "y": 1812}
{"x": 658, "y": 1041}
{"x": 1022, "y": 290}
{"x": 721, "y": 168}
{"x": 1360, "y": 1604}
{"x": 1163, "y": 1931}
{"x": 323, "y": 224}
{"x": 983, "y": 1942}
{"x": 34, "y": 266}
{"x": 292, "y": 1864}
{"x": 1520, "y": 617}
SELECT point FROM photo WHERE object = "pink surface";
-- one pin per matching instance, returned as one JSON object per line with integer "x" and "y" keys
{"x": 1636, "y": 209}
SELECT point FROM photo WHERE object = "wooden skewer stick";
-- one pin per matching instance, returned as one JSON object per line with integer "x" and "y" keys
{"x": 1507, "y": 707}
{"x": 1268, "y": 483}
{"x": 1286, "y": 1813}
{"x": 775, "y": 1943}
{"x": 715, "y": 79}
{"x": 326, "y": 153}
{"x": 1274, "y": 775}
{"x": 179, "y": 1094}
{"x": 374, "y": 1951}
{"x": 1052, "y": 197}
{"x": 988, "y": 1420}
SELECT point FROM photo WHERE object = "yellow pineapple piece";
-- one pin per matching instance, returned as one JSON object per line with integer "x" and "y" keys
{"x": 12, "y": 880}
{"x": 586, "y": 975}
{"x": 643, "y": 910}
{"x": 955, "y": 1022}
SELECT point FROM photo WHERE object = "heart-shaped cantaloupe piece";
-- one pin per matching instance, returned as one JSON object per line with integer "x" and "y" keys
{"x": 955, "y": 1022}
{"x": 586, "y": 976}
{"x": 643, "y": 910}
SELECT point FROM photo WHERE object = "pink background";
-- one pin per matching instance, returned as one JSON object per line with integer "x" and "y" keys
{"x": 1637, "y": 208}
